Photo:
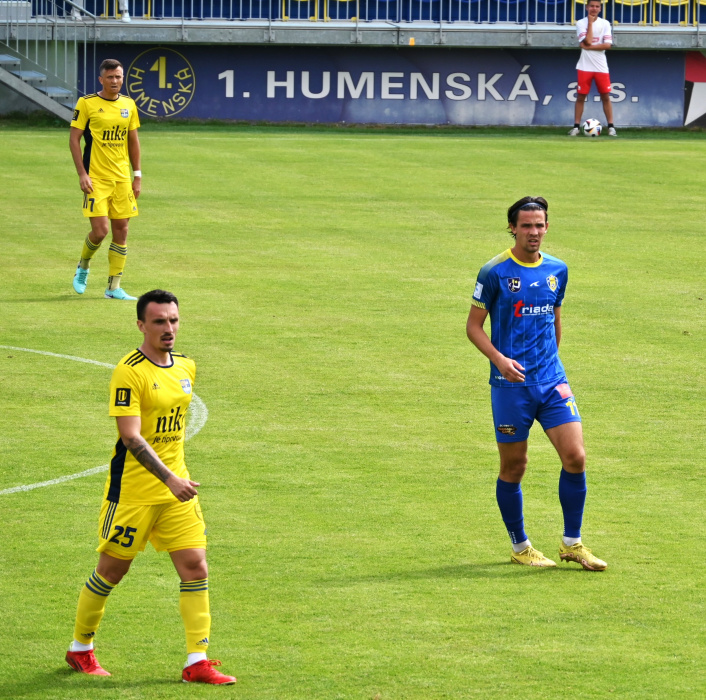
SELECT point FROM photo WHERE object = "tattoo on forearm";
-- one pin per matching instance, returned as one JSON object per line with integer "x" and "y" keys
{"x": 147, "y": 458}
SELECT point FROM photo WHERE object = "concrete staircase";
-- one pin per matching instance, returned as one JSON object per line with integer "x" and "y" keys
{"x": 21, "y": 76}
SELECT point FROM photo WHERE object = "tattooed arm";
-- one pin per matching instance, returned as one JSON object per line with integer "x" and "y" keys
{"x": 129, "y": 428}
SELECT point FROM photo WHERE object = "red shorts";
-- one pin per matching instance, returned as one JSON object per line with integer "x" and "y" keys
{"x": 585, "y": 78}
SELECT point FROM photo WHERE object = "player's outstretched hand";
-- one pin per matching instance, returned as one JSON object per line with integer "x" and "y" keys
{"x": 511, "y": 370}
{"x": 183, "y": 489}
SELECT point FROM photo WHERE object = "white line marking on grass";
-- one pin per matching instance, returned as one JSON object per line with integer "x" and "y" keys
{"x": 51, "y": 482}
{"x": 54, "y": 354}
{"x": 198, "y": 409}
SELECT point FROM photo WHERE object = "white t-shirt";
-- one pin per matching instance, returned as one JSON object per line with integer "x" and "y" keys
{"x": 594, "y": 61}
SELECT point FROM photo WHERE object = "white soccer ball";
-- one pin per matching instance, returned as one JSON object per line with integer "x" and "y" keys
{"x": 592, "y": 127}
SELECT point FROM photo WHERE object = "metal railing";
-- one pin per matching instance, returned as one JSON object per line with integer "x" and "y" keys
{"x": 639, "y": 12}
{"x": 46, "y": 39}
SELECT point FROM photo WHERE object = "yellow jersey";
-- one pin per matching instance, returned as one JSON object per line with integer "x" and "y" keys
{"x": 161, "y": 397}
{"x": 105, "y": 125}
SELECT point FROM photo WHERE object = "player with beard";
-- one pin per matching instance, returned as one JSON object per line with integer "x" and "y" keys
{"x": 149, "y": 494}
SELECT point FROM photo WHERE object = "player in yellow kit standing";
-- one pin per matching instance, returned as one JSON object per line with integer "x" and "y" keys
{"x": 108, "y": 122}
{"x": 149, "y": 494}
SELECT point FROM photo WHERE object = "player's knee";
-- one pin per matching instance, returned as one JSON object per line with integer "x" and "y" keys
{"x": 513, "y": 469}
{"x": 191, "y": 564}
{"x": 113, "y": 570}
{"x": 98, "y": 233}
{"x": 575, "y": 460}
{"x": 194, "y": 572}
{"x": 119, "y": 228}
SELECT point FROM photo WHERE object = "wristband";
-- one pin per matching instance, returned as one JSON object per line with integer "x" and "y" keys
{"x": 137, "y": 173}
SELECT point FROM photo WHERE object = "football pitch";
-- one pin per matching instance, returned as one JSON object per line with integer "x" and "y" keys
{"x": 345, "y": 446}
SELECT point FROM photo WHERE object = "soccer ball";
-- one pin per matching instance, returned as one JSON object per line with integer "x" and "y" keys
{"x": 592, "y": 127}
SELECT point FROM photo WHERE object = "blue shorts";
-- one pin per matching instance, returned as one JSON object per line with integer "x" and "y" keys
{"x": 515, "y": 408}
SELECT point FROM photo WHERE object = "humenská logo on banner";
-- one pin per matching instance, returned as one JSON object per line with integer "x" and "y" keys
{"x": 161, "y": 81}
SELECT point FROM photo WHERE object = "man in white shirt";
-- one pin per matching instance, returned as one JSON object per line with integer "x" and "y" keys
{"x": 595, "y": 37}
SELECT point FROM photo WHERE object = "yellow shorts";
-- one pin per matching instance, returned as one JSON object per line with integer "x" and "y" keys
{"x": 124, "y": 528}
{"x": 116, "y": 200}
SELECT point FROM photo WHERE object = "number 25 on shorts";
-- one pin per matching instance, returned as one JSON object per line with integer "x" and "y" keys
{"x": 127, "y": 535}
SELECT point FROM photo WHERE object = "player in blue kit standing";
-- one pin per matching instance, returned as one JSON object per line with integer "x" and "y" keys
{"x": 523, "y": 289}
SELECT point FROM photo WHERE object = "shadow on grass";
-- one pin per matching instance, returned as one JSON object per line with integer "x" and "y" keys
{"x": 50, "y": 683}
{"x": 485, "y": 570}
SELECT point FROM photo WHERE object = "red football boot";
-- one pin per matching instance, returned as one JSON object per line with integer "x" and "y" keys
{"x": 85, "y": 662}
{"x": 203, "y": 672}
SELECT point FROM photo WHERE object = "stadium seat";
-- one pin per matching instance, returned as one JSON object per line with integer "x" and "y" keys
{"x": 699, "y": 11}
{"x": 110, "y": 8}
{"x": 513, "y": 11}
{"x": 632, "y": 11}
{"x": 552, "y": 11}
{"x": 300, "y": 9}
{"x": 380, "y": 10}
{"x": 168, "y": 9}
{"x": 208, "y": 9}
{"x": 342, "y": 10}
{"x": 482, "y": 11}
{"x": 462, "y": 11}
{"x": 672, "y": 12}
{"x": 421, "y": 10}
{"x": 256, "y": 9}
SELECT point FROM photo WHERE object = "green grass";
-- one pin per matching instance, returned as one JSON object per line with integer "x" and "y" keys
{"x": 348, "y": 463}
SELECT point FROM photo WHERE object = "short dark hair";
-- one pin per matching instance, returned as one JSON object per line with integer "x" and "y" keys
{"x": 600, "y": 2}
{"x": 159, "y": 296}
{"x": 526, "y": 204}
{"x": 109, "y": 64}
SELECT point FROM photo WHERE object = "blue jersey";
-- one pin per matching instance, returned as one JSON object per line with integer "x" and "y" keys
{"x": 520, "y": 298}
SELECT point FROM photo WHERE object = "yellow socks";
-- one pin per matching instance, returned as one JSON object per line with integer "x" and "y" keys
{"x": 196, "y": 613}
{"x": 91, "y": 606}
{"x": 116, "y": 264}
{"x": 87, "y": 252}
{"x": 193, "y": 605}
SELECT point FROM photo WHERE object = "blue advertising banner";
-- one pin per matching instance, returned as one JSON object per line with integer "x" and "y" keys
{"x": 405, "y": 85}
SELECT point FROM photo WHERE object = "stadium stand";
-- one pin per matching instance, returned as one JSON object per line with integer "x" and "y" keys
{"x": 52, "y": 39}
{"x": 632, "y": 12}
{"x": 638, "y": 12}
{"x": 673, "y": 12}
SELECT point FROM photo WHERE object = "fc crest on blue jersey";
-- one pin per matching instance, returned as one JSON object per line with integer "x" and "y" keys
{"x": 124, "y": 113}
{"x": 514, "y": 284}
{"x": 185, "y": 385}
{"x": 553, "y": 282}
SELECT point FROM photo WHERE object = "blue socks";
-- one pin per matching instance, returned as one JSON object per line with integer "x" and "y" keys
{"x": 572, "y": 496}
{"x": 509, "y": 498}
